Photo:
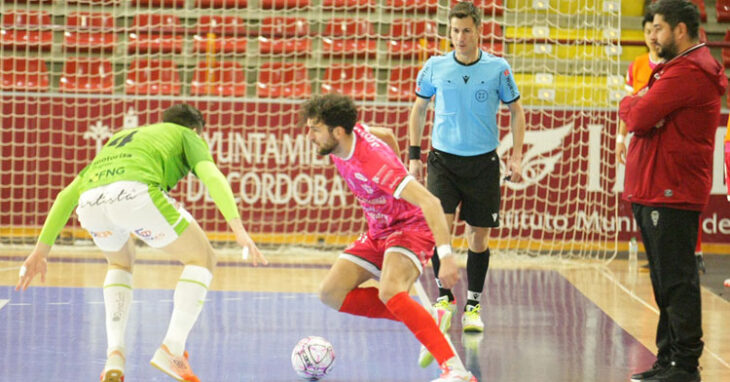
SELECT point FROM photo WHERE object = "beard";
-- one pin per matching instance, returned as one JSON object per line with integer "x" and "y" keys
{"x": 327, "y": 148}
{"x": 667, "y": 51}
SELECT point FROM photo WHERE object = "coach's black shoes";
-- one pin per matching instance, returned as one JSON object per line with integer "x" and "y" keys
{"x": 675, "y": 374}
{"x": 657, "y": 368}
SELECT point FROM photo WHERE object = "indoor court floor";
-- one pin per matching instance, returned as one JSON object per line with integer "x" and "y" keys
{"x": 543, "y": 323}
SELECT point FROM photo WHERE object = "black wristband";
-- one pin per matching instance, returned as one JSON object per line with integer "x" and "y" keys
{"x": 414, "y": 152}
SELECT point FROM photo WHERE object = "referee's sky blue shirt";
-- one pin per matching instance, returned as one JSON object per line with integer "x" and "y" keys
{"x": 467, "y": 100}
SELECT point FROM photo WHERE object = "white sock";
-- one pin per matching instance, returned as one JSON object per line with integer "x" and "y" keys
{"x": 117, "y": 301}
{"x": 188, "y": 302}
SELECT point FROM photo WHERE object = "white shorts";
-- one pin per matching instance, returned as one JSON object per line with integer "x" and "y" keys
{"x": 110, "y": 213}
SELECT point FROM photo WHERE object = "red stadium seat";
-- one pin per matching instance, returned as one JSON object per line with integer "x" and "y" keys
{"x": 703, "y": 10}
{"x": 158, "y": 3}
{"x": 284, "y": 27}
{"x": 158, "y": 77}
{"x": 94, "y": 2}
{"x": 356, "y": 81}
{"x": 229, "y": 34}
{"x": 156, "y": 33}
{"x": 723, "y": 11}
{"x": 90, "y": 32}
{"x": 490, "y": 7}
{"x": 87, "y": 75}
{"x": 414, "y": 6}
{"x": 24, "y": 74}
{"x": 223, "y": 78}
{"x": 349, "y": 4}
{"x": 283, "y": 4}
{"x": 402, "y": 83}
{"x": 238, "y": 4}
{"x": 492, "y": 38}
{"x": 23, "y": 29}
{"x": 285, "y": 35}
{"x": 411, "y": 38}
{"x": 30, "y": 1}
{"x": 336, "y": 44}
{"x": 283, "y": 80}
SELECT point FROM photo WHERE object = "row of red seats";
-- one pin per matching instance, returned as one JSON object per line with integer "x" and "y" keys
{"x": 222, "y": 78}
{"x": 417, "y": 6}
{"x": 94, "y": 31}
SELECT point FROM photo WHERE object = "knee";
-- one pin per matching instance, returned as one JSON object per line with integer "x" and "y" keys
{"x": 388, "y": 291}
{"x": 331, "y": 295}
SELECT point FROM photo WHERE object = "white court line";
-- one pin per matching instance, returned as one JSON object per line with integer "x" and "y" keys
{"x": 9, "y": 269}
{"x": 633, "y": 295}
{"x": 3, "y": 302}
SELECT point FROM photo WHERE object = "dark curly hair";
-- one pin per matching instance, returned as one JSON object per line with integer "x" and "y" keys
{"x": 331, "y": 109}
{"x": 679, "y": 11}
{"x": 184, "y": 115}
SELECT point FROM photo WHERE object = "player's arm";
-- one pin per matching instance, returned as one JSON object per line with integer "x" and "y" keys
{"x": 386, "y": 135}
{"x": 222, "y": 195}
{"x": 416, "y": 122}
{"x": 415, "y": 193}
{"x": 517, "y": 119}
{"x": 61, "y": 210}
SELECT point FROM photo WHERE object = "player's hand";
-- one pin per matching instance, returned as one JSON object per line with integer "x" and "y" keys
{"x": 449, "y": 272}
{"x": 244, "y": 240}
{"x": 415, "y": 168}
{"x": 35, "y": 263}
{"x": 514, "y": 166}
{"x": 621, "y": 153}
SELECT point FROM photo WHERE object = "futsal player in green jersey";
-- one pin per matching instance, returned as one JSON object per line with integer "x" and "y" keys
{"x": 124, "y": 191}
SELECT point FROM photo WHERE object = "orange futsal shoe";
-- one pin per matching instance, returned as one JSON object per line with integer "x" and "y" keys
{"x": 177, "y": 367}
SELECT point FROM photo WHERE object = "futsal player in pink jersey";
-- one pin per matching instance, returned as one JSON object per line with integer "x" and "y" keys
{"x": 405, "y": 222}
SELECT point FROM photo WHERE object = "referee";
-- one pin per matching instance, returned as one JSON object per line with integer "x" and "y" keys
{"x": 463, "y": 166}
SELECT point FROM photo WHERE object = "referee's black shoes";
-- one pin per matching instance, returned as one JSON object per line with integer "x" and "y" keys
{"x": 644, "y": 375}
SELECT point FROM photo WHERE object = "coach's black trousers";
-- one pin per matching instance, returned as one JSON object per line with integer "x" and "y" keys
{"x": 669, "y": 236}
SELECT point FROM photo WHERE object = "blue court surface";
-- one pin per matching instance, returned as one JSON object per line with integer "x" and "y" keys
{"x": 538, "y": 328}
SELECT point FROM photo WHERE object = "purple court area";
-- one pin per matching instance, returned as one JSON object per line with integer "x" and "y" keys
{"x": 538, "y": 328}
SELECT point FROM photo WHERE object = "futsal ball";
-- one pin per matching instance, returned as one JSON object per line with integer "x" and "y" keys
{"x": 313, "y": 358}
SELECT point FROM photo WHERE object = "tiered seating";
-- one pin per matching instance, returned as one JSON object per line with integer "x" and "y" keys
{"x": 414, "y": 6}
{"x": 492, "y": 38}
{"x": 402, "y": 83}
{"x": 283, "y": 80}
{"x": 348, "y": 4}
{"x": 703, "y": 10}
{"x": 490, "y": 7}
{"x": 413, "y": 38}
{"x": 156, "y": 32}
{"x": 153, "y": 77}
{"x": 87, "y": 75}
{"x": 726, "y": 51}
{"x": 346, "y": 37}
{"x": 285, "y": 36}
{"x": 228, "y": 34}
{"x": 90, "y": 32}
{"x": 723, "y": 11}
{"x": 356, "y": 81}
{"x": 23, "y": 30}
{"x": 158, "y": 3}
{"x": 223, "y": 78}
{"x": 587, "y": 91}
{"x": 30, "y": 1}
{"x": 93, "y": 2}
{"x": 239, "y": 4}
{"x": 285, "y": 4}
{"x": 24, "y": 74}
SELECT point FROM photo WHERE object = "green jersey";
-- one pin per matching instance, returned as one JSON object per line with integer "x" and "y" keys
{"x": 157, "y": 155}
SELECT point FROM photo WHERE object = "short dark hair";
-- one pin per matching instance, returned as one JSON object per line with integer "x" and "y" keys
{"x": 648, "y": 18}
{"x": 466, "y": 9}
{"x": 184, "y": 115}
{"x": 331, "y": 109}
{"x": 679, "y": 11}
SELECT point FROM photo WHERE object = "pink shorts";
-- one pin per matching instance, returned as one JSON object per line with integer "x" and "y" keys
{"x": 415, "y": 243}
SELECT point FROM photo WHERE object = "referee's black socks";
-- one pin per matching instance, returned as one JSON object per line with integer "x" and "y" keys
{"x": 477, "y": 265}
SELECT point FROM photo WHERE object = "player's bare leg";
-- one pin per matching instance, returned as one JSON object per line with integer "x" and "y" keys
{"x": 342, "y": 278}
{"x": 195, "y": 251}
{"x": 117, "y": 303}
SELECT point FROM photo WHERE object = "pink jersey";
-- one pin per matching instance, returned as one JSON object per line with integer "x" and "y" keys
{"x": 376, "y": 176}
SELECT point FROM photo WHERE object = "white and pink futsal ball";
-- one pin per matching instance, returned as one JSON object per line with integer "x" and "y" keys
{"x": 313, "y": 358}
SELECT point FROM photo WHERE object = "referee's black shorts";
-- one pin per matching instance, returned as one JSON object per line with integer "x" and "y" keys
{"x": 472, "y": 181}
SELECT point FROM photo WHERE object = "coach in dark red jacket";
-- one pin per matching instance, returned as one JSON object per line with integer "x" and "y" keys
{"x": 668, "y": 179}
